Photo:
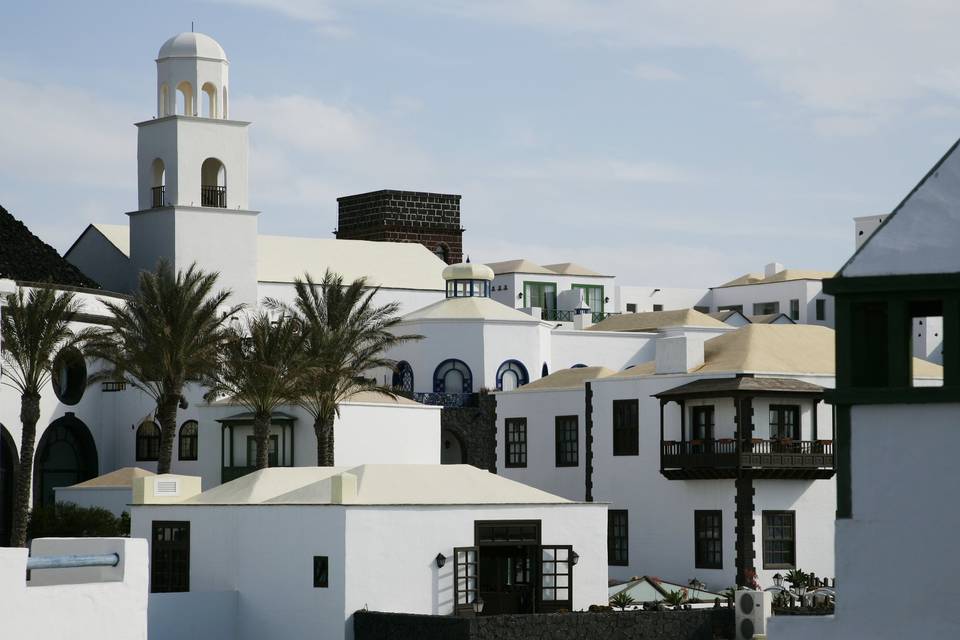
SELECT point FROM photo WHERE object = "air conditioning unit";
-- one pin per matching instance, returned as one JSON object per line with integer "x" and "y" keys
{"x": 752, "y": 611}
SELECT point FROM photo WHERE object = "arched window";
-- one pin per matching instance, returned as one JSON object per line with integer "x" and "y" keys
{"x": 511, "y": 374}
{"x": 69, "y": 376}
{"x": 403, "y": 377}
{"x": 544, "y": 370}
{"x": 163, "y": 108}
{"x": 148, "y": 441}
{"x": 188, "y": 440}
{"x": 185, "y": 105}
{"x": 158, "y": 189}
{"x": 452, "y": 376}
{"x": 579, "y": 366}
{"x": 209, "y": 104}
{"x": 442, "y": 252}
{"x": 213, "y": 184}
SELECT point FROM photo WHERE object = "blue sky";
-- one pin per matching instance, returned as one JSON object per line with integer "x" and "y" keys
{"x": 672, "y": 144}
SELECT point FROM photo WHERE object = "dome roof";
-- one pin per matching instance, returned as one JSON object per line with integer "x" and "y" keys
{"x": 192, "y": 45}
{"x": 468, "y": 271}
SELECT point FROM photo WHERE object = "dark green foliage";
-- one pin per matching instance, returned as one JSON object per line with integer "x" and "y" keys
{"x": 621, "y": 600}
{"x": 67, "y": 520}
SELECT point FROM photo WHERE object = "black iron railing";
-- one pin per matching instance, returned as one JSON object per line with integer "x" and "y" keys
{"x": 447, "y": 399}
{"x": 600, "y": 316}
{"x": 159, "y": 196}
{"x": 112, "y": 387}
{"x": 212, "y": 196}
{"x": 558, "y": 315}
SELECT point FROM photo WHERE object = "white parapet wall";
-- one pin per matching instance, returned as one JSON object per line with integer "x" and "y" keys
{"x": 95, "y": 603}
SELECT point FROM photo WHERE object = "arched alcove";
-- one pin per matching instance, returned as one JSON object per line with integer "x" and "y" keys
{"x": 66, "y": 455}
{"x": 452, "y": 449}
{"x": 213, "y": 183}
{"x": 452, "y": 376}
{"x": 209, "y": 103}
{"x": 511, "y": 374}
{"x": 163, "y": 106}
{"x": 403, "y": 377}
{"x": 185, "y": 104}
{"x": 188, "y": 440}
{"x": 8, "y": 466}
{"x": 148, "y": 441}
{"x": 158, "y": 183}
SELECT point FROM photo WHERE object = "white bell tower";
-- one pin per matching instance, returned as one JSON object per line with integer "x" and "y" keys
{"x": 192, "y": 171}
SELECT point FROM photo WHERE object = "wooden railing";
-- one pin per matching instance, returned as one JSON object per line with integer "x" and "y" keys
{"x": 726, "y": 454}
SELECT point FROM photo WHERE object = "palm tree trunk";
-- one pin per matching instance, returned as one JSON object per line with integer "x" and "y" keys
{"x": 29, "y": 415}
{"x": 167, "y": 417}
{"x": 261, "y": 432}
{"x": 323, "y": 427}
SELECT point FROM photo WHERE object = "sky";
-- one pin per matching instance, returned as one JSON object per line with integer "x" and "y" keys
{"x": 668, "y": 143}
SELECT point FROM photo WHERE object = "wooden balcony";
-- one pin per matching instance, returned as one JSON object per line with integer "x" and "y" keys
{"x": 758, "y": 459}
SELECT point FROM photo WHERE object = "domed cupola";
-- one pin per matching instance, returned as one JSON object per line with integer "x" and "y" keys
{"x": 466, "y": 280}
{"x": 192, "y": 74}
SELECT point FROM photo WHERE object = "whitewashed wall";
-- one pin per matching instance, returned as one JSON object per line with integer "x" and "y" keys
{"x": 612, "y": 349}
{"x": 408, "y": 299}
{"x": 806, "y": 291}
{"x": 669, "y": 297}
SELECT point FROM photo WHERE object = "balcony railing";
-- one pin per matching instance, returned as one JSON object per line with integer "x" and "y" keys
{"x": 447, "y": 399}
{"x": 558, "y": 315}
{"x": 159, "y": 196}
{"x": 213, "y": 196}
{"x": 600, "y": 316}
{"x": 757, "y": 458}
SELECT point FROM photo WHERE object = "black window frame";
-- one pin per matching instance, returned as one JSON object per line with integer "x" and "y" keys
{"x": 731, "y": 307}
{"x": 708, "y": 539}
{"x": 165, "y": 576}
{"x": 658, "y": 307}
{"x": 771, "y": 528}
{"x": 766, "y": 308}
{"x": 321, "y": 572}
{"x": 626, "y": 427}
{"x": 708, "y": 424}
{"x": 618, "y": 537}
{"x": 631, "y": 307}
{"x": 781, "y": 411}
{"x": 190, "y": 441}
{"x": 821, "y": 309}
{"x": 273, "y": 459}
{"x": 147, "y": 447}
{"x": 794, "y": 308}
{"x": 515, "y": 443}
{"x": 567, "y": 448}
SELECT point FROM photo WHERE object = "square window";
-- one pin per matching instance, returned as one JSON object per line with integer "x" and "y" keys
{"x": 321, "y": 572}
{"x": 779, "y": 540}
{"x": 708, "y": 539}
{"x": 567, "y": 441}
{"x": 794, "y": 309}
{"x": 658, "y": 307}
{"x": 516, "y": 442}
{"x": 170, "y": 557}
{"x": 766, "y": 308}
{"x": 821, "y": 309}
{"x": 617, "y": 538}
{"x": 626, "y": 428}
{"x": 631, "y": 307}
{"x": 926, "y": 342}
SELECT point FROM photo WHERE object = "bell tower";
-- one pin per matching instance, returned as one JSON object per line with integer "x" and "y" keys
{"x": 192, "y": 164}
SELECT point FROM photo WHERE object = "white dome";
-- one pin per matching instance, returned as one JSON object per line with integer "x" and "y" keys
{"x": 192, "y": 45}
{"x": 468, "y": 271}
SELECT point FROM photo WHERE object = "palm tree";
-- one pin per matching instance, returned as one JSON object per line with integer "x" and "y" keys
{"x": 260, "y": 369}
{"x": 167, "y": 335}
{"x": 346, "y": 337}
{"x": 34, "y": 328}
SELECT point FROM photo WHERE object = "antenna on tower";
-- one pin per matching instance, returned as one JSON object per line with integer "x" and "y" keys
{"x": 191, "y": 26}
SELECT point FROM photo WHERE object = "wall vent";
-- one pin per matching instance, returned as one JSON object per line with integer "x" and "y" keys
{"x": 166, "y": 488}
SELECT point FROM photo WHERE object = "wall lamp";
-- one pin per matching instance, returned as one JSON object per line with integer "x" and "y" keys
{"x": 478, "y": 605}
{"x": 440, "y": 560}
{"x": 519, "y": 296}
{"x": 574, "y": 558}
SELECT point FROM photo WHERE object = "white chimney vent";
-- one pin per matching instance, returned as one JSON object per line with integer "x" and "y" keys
{"x": 772, "y": 269}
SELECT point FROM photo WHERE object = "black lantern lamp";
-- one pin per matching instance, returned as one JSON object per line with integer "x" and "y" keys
{"x": 441, "y": 560}
{"x": 478, "y": 605}
{"x": 574, "y": 558}
{"x": 778, "y": 580}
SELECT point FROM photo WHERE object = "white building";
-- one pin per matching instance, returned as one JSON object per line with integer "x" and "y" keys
{"x": 292, "y": 553}
{"x": 796, "y": 293}
{"x": 896, "y": 437}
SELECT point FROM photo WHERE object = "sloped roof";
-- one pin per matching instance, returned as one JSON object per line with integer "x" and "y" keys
{"x": 651, "y": 589}
{"x": 521, "y": 265}
{"x": 120, "y": 478}
{"x": 780, "y": 276}
{"x": 770, "y": 318}
{"x": 723, "y": 316}
{"x": 920, "y": 235}
{"x": 394, "y": 265}
{"x": 741, "y": 383}
{"x": 654, "y": 320}
{"x": 117, "y": 234}
{"x": 572, "y": 378}
{"x": 372, "y": 397}
{"x": 469, "y": 308}
{"x": 27, "y": 258}
{"x": 572, "y": 269}
{"x": 376, "y": 484}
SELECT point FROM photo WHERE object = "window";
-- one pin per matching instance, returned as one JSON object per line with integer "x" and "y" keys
{"x": 188, "y": 440}
{"x": 170, "y": 557}
{"x": 658, "y": 307}
{"x": 452, "y": 376}
{"x": 708, "y": 539}
{"x": 926, "y": 341}
{"x": 321, "y": 572}
{"x": 703, "y": 423}
{"x": 69, "y": 379}
{"x": 702, "y": 309}
{"x": 567, "y": 441}
{"x": 403, "y": 377}
{"x": 540, "y": 294}
{"x": 779, "y": 540}
{"x": 765, "y": 308}
{"x": 626, "y": 427}
{"x": 731, "y": 307}
{"x": 784, "y": 422}
{"x": 272, "y": 443}
{"x": 148, "y": 441}
{"x": 592, "y": 296}
{"x": 821, "y": 309}
{"x": 511, "y": 374}
{"x": 794, "y": 309}
{"x": 618, "y": 543}
{"x": 631, "y": 307}
{"x": 516, "y": 430}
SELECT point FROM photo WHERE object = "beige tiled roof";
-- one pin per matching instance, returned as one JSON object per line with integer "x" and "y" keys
{"x": 780, "y": 276}
{"x": 372, "y": 397}
{"x": 653, "y": 320}
{"x": 117, "y": 234}
{"x": 567, "y": 379}
{"x": 517, "y": 266}
{"x": 571, "y": 269}
{"x": 120, "y": 478}
{"x": 469, "y": 308}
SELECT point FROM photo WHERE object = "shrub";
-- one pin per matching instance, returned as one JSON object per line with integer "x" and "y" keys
{"x": 67, "y": 520}
{"x": 621, "y": 600}
{"x": 676, "y": 599}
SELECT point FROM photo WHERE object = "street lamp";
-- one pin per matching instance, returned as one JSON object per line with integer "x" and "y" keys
{"x": 441, "y": 560}
{"x": 778, "y": 580}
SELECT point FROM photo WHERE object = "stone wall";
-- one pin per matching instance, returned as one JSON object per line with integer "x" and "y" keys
{"x": 476, "y": 427}
{"x": 700, "y": 624}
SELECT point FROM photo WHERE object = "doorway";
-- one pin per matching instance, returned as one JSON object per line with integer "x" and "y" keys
{"x": 8, "y": 463}
{"x": 508, "y": 553}
{"x": 66, "y": 455}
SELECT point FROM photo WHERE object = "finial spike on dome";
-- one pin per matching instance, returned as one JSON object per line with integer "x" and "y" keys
{"x": 468, "y": 259}
{"x": 191, "y": 26}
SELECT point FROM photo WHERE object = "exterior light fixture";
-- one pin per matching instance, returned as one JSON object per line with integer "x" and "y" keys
{"x": 574, "y": 558}
{"x": 607, "y": 299}
{"x": 778, "y": 580}
{"x": 478, "y": 605}
{"x": 441, "y": 560}
{"x": 801, "y": 589}
{"x": 519, "y": 296}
